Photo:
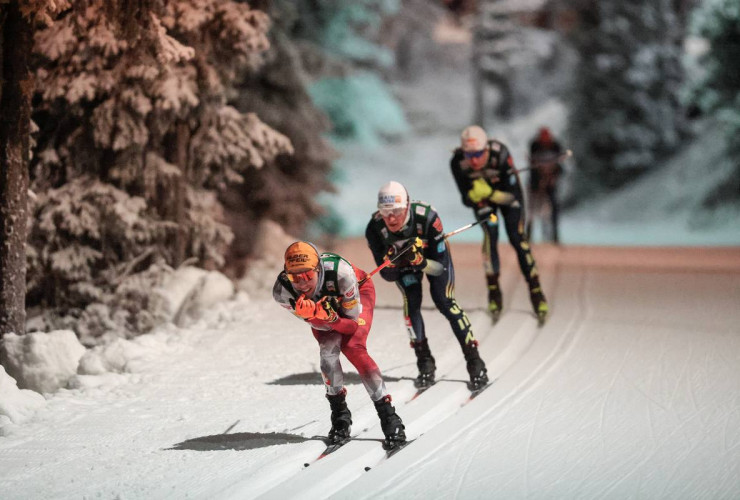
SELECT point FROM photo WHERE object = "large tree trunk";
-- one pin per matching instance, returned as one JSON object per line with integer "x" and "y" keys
{"x": 15, "y": 115}
{"x": 183, "y": 142}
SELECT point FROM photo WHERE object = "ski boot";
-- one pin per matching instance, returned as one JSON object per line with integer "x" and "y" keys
{"x": 341, "y": 418}
{"x": 476, "y": 367}
{"x": 539, "y": 303}
{"x": 391, "y": 424}
{"x": 495, "y": 301}
{"x": 425, "y": 363}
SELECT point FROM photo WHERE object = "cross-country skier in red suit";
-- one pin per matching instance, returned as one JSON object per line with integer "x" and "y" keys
{"x": 324, "y": 291}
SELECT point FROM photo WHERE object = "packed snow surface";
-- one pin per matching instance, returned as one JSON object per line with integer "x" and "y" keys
{"x": 630, "y": 390}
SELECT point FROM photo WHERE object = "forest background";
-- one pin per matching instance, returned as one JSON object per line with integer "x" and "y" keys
{"x": 141, "y": 138}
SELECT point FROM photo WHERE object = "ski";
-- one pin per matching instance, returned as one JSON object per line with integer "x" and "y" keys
{"x": 420, "y": 391}
{"x": 391, "y": 452}
{"x": 474, "y": 393}
{"x": 330, "y": 448}
{"x": 396, "y": 449}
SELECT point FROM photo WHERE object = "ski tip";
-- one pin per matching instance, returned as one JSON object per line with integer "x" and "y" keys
{"x": 367, "y": 468}
{"x": 306, "y": 464}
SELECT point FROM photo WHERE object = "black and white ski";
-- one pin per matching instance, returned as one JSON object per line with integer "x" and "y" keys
{"x": 396, "y": 449}
{"x": 330, "y": 448}
{"x": 391, "y": 452}
{"x": 474, "y": 393}
{"x": 420, "y": 391}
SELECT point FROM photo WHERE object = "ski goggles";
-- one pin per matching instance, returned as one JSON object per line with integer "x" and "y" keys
{"x": 473, "y": 154}
{"x": 394, "y": 211}
{"x": 302, "y": 276}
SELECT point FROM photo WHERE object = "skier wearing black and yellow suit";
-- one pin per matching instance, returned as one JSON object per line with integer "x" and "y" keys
{"x": 398, "y": 223}
{"x": 488, "y": 183}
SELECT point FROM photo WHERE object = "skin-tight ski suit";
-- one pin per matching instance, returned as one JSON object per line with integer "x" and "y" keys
{"x": 499, "y": 174}
{"x": 348, "y": 334}
{"x": 423, "y": 223}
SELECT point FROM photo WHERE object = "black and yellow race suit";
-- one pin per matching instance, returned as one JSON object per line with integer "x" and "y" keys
{"x": 424, "y": 222}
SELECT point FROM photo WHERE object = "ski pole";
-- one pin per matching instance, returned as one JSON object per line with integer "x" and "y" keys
{"x": 536, "y": 164}
{"x": 492, "y": 217}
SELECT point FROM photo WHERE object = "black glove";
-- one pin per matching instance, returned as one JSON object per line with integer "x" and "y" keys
{"x": 401, "y": 261}
{"x": 327, "y": 309}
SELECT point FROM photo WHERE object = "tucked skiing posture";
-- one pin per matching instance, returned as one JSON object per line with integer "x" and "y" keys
{"x": 324, "y": 291}
{"x": 488, "y": 182}
{"x": 414, "y": 227}
{"x": 545, "y": 155}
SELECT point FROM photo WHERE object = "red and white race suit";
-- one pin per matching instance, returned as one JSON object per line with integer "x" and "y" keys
{"x": 348, "y": 334}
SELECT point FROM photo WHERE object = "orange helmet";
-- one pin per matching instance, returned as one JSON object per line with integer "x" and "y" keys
{"x": 301, "y": 256}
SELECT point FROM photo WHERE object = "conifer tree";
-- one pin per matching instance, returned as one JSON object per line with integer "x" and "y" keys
{"x": 137, "y": 135}
{"x": 718, "y": 90}
{"x": 626, "y": 112}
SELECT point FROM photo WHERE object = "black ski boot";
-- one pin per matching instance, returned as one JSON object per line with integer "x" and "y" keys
{"x": 476, "y": 367}
{"x": 539, "y": 303}
{"x": 391, "y": 424}
{"x": 425, "y": 363}
{"x": 341, "y": 418}
{"x": 495, "y": 301}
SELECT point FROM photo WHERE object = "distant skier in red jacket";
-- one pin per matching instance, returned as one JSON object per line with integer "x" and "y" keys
{"x": 324, "y": 291}
{"x": 545, "y": 155}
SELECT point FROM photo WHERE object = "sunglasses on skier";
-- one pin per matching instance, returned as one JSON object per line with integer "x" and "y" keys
{"x": 473, "y": 154}
{"x": 396, "y": 212}
{"x": 302, "y": 276}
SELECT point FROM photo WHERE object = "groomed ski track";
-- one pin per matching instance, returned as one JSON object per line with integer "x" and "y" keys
{"x": 630, "y": 390}
{"x": 443, "y": 413}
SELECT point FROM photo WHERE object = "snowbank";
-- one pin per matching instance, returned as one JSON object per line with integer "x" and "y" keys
{"x": 126, "y": 356}
{"x": 42, "y": 362}
{"x": 189, "y": 291}
{"x": 16, "y": 405}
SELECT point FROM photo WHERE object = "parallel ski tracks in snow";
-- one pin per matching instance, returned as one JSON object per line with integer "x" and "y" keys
{"x": 446, "y": 398}
{"x": 446, "y": 405}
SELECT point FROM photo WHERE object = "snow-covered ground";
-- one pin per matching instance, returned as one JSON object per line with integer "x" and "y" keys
{"x": 631, "y": 390}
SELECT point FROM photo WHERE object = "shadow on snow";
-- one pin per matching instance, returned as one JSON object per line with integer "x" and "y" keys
{"x": 249, "y": 441}
{"x": 314, "y": 378}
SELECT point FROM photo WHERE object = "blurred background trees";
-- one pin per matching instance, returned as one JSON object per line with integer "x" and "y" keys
{"x": 717, "y": 90}
{"x": 626, "y": 111}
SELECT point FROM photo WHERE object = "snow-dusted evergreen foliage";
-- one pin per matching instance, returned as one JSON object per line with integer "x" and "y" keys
{"x": 626, "y": 113}
{"x": 146, "y": 126}
{"x": 284, "y": 190}
{"x": 87, "y": 247}
{"x": 718, "y": 90}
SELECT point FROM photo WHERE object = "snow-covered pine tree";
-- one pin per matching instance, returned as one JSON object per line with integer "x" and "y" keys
{"x": 149, "y": 120}
{"x": 626, "y": 115}
{"x": 494, "y": 42}
{"x": 718, "y": 90}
